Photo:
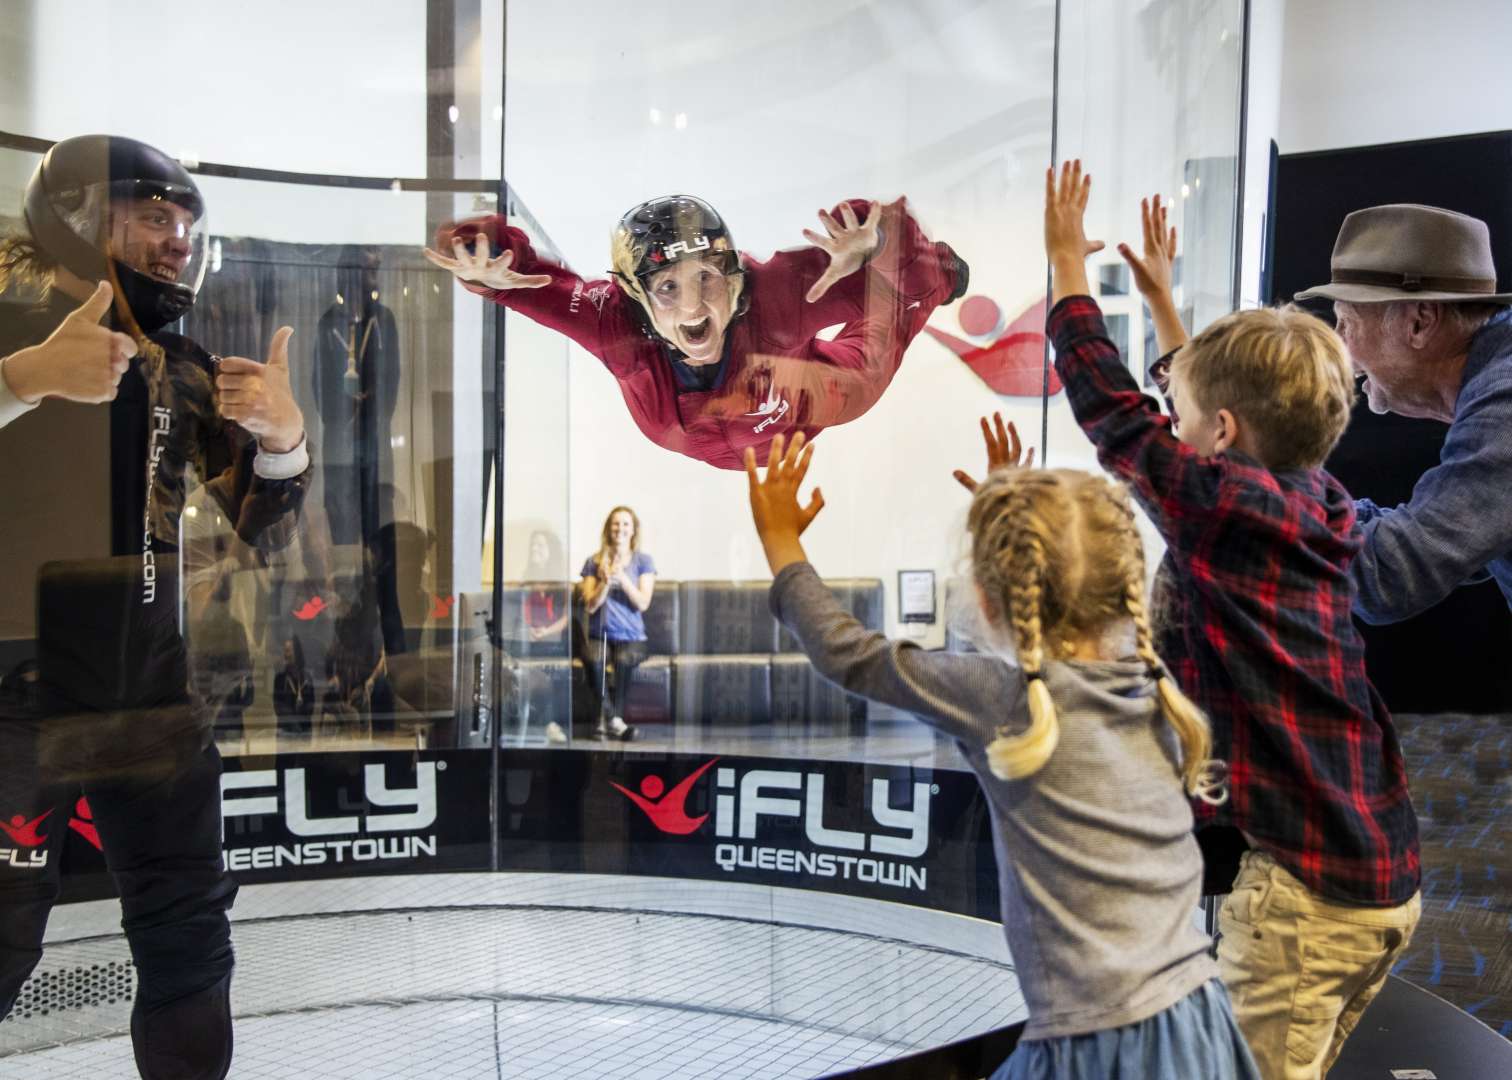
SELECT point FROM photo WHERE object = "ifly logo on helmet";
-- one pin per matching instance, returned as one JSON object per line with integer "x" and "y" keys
{"x": 414, "y": 812}
{"x": 685, "y": 247}
{"x": 744, "y": 799}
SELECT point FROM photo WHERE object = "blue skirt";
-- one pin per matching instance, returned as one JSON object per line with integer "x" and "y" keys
{"x": 1195, "y": 1037}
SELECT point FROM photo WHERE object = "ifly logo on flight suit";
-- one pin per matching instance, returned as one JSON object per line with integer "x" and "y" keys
{"x": 339, "y": 838}
{"x": 745, "y": 801}
{"x": 162, "y": 426}
{"x": 25, "y": 838}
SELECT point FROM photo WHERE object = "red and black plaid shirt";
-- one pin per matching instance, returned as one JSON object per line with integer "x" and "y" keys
{"x": 1252, "y": 609}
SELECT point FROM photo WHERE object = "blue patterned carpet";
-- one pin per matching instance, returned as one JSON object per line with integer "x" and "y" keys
{"x": 1461, "y": 774}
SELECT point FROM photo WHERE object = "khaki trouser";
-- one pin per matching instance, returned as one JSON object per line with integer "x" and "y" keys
{"x": 1300, "y": 969}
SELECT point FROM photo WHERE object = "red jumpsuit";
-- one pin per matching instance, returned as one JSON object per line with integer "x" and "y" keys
{"x": 777, "y": 377}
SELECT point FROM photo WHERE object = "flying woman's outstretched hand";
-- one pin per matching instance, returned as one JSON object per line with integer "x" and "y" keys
{"x": 474, "y": 265}
{"x": 849, "y": 243}
{"x": 780, "y": 520}
{"x": 1003, "y": 450}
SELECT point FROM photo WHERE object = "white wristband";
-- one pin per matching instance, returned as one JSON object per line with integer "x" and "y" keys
{"x": 285, "y": 466}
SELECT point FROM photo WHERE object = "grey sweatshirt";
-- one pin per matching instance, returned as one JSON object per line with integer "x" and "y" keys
{"x": 1097, "y": 865}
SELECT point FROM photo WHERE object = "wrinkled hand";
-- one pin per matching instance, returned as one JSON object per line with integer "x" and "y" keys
{"x": 475, "y": 266}
{"x": 1065, "y": 209}
{"x": 774, "y": 501}
{"x": 1003, "y": 451}
{"x": 80, "y": 361}
{"x": 259, "y": 398}
{"x": 849, "y": 243}
{"x": 1153, "y": 272}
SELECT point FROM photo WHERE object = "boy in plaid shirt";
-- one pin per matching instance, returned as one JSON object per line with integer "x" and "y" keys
{"x": 1254, "y": 598}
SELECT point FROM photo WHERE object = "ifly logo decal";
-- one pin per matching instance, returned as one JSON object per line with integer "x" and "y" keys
{"x": 744, "y": 800}
{"x": 1008, "y": 358}
{"x": 309, "y": 609}
{"x": 25, "y": 833}
{"x": 25, "y": 836}
{"x": 284, "y": 794}
{"x": 684, "y": 247}
{"x": 83, "y": 823}
{"x": 774, "y": 408}
{"x": 668, "y": 810}
{"x": 596, "y": 296}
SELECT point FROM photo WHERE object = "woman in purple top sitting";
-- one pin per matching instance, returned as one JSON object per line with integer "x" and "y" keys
{"x": 616, "y": 588}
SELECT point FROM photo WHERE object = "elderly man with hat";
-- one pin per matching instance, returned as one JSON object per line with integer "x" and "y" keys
{"x": 1414, "y": 292}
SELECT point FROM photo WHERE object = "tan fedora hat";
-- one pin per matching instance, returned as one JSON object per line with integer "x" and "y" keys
{"x": 1410, "y": 252}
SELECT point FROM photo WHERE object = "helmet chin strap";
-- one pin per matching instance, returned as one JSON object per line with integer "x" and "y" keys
{"x": 146, "y": 347}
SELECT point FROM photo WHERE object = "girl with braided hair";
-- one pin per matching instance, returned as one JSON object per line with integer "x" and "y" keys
{"x": 1085, "y": 749}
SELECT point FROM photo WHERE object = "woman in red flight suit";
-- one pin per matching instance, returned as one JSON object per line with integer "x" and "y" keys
{"x": 714, "y": 350}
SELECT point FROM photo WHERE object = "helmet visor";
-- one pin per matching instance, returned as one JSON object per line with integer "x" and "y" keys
{"x": 157, "y": 229}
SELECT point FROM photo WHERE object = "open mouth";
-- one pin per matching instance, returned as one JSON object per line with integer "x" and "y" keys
{"x": 163, "y": 272}
{"x": 697, "y": 333}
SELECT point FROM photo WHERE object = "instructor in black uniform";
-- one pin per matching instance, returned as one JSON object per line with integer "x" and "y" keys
{"x": 116, "y": 240}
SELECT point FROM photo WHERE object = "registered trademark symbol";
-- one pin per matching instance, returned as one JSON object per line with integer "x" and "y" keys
{"x": 441, "y": 767}
{"x": 934, "y": 789}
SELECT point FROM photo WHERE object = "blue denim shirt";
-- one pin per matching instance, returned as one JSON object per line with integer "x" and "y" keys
{"x": 1458, "y": 525}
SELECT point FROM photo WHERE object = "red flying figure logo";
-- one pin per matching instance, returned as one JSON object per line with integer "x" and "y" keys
{"x": 311, "y": 608}
{"x": 441, "y": 607}
{"x": 1010, "y": 359}
{"x": 83, "y": 823}
{"x": 24, "y": 833}
{"x": 668, "y": 812}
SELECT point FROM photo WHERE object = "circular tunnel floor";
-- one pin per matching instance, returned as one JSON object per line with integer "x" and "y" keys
{"x": 532, "y": 975}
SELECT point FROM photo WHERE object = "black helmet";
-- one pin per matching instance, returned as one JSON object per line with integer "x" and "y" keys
{"x": 658, "y": 233}
{"x": 77, "y": 207}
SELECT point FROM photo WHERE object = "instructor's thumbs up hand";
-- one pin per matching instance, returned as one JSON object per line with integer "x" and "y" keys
{"x": 259, "y": 398}
{"x": 81, "y": 361}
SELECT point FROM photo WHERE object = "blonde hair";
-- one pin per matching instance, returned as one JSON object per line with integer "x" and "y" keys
{"x": 1284, "y": 372}
{"x": 625, "y": 257}
{"x": 22, "y": 262}
{"x": 1057, "y": 557}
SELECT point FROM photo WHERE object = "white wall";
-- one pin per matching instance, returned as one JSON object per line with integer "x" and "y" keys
{"x": 1360, "y": 72}
{"x": 333, "y": 87}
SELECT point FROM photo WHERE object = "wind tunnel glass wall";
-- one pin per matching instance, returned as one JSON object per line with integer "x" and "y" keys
{"x": 1148, "y": 96}
{"x": 433, "y": 655}
{"x": 306, "y": 622}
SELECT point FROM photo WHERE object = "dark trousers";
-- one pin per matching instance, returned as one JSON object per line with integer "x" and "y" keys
{"x": 161, "y": 841}
{"x": 624, "y": 658}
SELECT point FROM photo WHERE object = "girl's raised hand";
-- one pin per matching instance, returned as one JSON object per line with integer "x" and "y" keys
{"x": 779, "y": 518}
{"x": 1004, "y": 450}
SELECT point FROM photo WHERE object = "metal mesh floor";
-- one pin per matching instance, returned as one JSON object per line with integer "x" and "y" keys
{"x": 539, "y": 989}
